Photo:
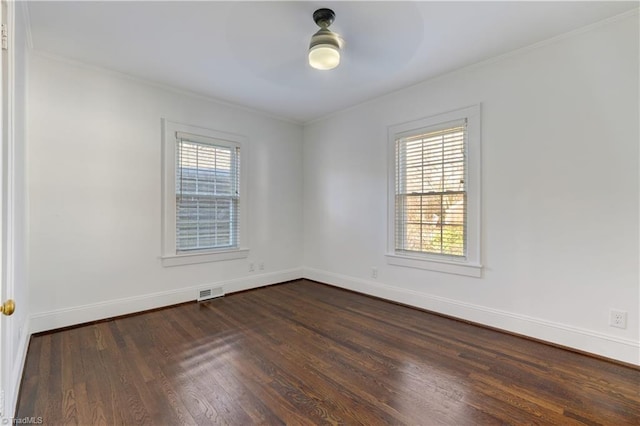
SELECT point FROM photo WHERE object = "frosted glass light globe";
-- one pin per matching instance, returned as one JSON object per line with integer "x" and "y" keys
{"x": 324, "y": 57}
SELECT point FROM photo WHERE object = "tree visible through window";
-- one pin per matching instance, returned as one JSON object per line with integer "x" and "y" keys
{"x": 430, "y": 191}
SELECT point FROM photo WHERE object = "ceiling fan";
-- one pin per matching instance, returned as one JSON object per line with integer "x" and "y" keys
{"x": 324, "y": 49}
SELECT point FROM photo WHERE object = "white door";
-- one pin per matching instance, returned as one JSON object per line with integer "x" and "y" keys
{"x": 6, "y": 230}
{"x": 3, "y": 211}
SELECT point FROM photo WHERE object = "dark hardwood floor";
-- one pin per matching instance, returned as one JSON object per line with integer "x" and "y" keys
{"x": 306, "y": 353}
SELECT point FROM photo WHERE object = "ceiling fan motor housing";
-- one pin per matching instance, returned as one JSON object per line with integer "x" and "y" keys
{"x": 324, "y": 18}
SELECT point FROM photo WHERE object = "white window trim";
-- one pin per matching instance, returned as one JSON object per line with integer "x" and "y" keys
{"x": 169, "y": 256}
{"x": 471, "y": 264}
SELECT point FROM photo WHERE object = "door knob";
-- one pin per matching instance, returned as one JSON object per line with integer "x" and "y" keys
{"x": 8, "y": 307}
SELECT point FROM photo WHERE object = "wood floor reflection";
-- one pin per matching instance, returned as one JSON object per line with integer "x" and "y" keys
{"x": 307, "y": 353}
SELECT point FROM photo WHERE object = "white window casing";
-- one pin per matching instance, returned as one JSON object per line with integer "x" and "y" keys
{"x": 204, "y": 195}
{"x": 434, "y": 191}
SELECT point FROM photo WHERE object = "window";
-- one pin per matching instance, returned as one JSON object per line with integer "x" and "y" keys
{"x": 434, "y": 193}
{"x": 431, "y": 192}
{"x": 203, "y": 195}
{"x": 207, "y": 194}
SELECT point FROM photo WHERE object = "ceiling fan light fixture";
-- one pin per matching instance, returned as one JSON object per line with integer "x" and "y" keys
{"x": 324, "y": 49}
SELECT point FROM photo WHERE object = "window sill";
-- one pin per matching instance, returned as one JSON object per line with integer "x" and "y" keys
{"x": 192, "y": 258}
{"x": 447, "y": 266}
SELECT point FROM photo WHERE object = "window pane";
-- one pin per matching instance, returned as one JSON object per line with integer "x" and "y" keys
{"x": 431, "y": 192}
{"x": 207, "y": 178}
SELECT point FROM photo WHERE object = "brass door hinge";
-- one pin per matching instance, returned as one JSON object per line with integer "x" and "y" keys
{"x": 5, "y": 37}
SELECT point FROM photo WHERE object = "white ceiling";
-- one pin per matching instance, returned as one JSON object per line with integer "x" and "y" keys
{"x": 254, "y": 53}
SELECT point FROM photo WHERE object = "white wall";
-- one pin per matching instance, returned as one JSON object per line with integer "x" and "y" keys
{"x": 95, "y": 201}
{"x": 559, "y": 185}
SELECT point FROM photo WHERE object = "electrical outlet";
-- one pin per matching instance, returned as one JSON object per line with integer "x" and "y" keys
{"x": 252, "y": 267}
{"x": 374, "y": 272}
{"x": 261, "y": 266}
{"x": 618, "y": 318}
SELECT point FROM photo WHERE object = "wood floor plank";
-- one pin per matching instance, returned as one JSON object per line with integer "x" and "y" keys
{"x": 304, "y": 353}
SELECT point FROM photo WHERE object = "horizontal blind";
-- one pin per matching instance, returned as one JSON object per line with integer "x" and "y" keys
{"x": 431, "y": 194}
{"x": 207, "y": 195}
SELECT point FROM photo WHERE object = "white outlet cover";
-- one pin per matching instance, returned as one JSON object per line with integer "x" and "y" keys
{"x": 618, "y": 318}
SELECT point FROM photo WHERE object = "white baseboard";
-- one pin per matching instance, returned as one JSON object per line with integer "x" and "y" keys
{"x": 625, "y": 350}
{"x": 51, "y": 320}
{"x": 16, "y": 371}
